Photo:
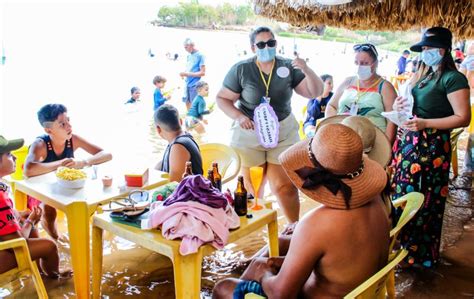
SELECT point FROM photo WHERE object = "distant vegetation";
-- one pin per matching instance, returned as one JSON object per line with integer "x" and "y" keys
{"x": 392, "y": 41}
{"x": 194, "y": 15}
{"x": 204, "y": 16}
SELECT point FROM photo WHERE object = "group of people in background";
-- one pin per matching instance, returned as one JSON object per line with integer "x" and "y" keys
{"x": 344, "y": 163}
{"x": 195, "y": 90}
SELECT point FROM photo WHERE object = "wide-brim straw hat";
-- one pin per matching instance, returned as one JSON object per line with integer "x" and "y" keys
{"x": 375, "y": 142}
{"x": 338, "y": 149}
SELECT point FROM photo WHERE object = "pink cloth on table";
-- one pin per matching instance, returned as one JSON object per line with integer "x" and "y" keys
{"x": 194, "y": 223}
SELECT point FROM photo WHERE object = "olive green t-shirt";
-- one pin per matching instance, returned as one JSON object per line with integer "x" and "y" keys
{"x": 244, "y": 78}
{"x": 431, "y": 101}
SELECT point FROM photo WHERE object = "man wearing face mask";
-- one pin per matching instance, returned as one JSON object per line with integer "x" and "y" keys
{"x": 256, "y": 94}
{"x": 423, "y": 150}
{"x": 367, "y": 93}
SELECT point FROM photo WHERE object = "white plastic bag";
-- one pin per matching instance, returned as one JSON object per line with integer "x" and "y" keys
{"x": 400, "y": 117}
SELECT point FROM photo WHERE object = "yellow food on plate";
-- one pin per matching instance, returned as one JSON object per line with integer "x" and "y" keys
{"x": 70, "y": 174}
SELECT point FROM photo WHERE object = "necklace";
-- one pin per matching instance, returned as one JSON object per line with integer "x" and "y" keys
{"x": 425, "y": 80}
{"x": 360, "y": 94}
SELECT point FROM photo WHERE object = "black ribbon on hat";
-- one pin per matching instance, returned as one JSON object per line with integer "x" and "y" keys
{"x": 316, "y": 176}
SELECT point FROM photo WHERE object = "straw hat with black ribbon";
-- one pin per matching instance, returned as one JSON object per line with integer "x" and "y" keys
{"x": 375, "y": 143}
{"x": 330, "y": 168}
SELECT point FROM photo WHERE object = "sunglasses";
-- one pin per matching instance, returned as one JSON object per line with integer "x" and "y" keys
{"x": 270, "y": 43}
{"x": 366, "y": 47}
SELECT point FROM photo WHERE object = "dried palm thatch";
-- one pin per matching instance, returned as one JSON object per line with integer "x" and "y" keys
{"x": 381, "y": 15}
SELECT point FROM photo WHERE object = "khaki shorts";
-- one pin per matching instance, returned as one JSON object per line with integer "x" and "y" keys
{"x": 245, "y": 142}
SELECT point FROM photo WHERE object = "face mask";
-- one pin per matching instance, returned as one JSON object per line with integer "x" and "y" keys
{"x": 364, "y": 72}
{"x": 266, "y": 54}
{"x": 431, "y": 57}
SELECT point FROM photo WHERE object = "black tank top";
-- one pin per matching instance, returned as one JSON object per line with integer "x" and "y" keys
{"x": 188, "y": 142}
{"x": 51, "y": 156}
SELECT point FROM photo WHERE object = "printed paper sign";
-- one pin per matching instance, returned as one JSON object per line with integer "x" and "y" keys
{"x": 267, "y": 125}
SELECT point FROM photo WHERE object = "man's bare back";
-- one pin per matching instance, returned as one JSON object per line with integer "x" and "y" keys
{"x": 354, "y": 246}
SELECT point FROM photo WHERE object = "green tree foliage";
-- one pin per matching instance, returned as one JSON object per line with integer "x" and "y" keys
{"x": 197, "y": 15}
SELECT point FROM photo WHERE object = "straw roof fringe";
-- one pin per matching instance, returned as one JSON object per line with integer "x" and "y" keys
{"x": 380, "y": 15}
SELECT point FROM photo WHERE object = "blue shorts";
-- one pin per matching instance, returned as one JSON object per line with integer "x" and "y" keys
{"x": 248, "y": 286}
{"x": 189, "y": 94}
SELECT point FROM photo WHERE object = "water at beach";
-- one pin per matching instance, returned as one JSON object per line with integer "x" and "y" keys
{"x": 88, "y": 57}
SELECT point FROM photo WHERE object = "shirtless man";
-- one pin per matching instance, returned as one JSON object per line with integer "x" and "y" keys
{"x": 336, "y": 246}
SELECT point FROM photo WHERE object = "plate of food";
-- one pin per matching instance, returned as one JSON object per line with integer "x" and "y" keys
{"x": 71, "y": 177}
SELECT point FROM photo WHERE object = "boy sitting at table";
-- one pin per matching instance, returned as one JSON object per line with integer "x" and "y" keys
{"x": 14, "y": 224}
{"x": 54, "y": 149}
{"x": 181, "y": 145}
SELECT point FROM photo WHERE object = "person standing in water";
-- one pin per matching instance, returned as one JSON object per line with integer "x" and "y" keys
{"x": 195, "y": 70}
{"x": 265, "y": 83}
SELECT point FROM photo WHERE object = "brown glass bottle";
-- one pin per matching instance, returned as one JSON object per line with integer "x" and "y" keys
{"x": 217, "y": 176}
{"x": 240, "y": 197}
{"x": 210, "y": 177}
{"x": 188, "y": 170}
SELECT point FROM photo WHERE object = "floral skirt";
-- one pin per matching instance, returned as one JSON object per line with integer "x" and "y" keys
{"x": 421, "y": 163}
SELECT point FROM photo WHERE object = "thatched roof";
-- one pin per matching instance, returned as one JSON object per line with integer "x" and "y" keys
{"x": 380, "y": 15}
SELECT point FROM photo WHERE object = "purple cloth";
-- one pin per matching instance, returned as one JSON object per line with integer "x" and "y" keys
{"x": 197, "y": 188}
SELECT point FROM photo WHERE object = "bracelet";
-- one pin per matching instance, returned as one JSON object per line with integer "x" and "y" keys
{"x": 31, "y": 223}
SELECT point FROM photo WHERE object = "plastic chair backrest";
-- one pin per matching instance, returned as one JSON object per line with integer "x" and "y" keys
{"x": 25, "y": 266}
{"x": 374, "y": 287}
{"x": 413, "y": 202}
{"x": 20, "y": 155}
{"x": 225, "y": 156}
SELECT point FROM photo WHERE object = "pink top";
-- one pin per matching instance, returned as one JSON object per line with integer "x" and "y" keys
{"x": 194, "y": 223}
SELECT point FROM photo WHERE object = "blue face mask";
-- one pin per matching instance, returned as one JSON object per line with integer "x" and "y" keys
{"x": 266, "y": 54}
{"x": 431, "y": 57}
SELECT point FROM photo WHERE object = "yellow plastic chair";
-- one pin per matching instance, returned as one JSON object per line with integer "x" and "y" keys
{"x": 20, "y": 155}
{"x": 454, "y": 149}
{"x": 412, "y": 203}
{"x": 227, "y": 157}
{"x": 301, "y": 122}
{"x": 374, "y": 287}
{"x": 26, "y": 266}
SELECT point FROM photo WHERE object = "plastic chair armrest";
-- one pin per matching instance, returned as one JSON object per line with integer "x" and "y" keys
{"x": 399, "y": 202}
{"x": 14, "y": 243}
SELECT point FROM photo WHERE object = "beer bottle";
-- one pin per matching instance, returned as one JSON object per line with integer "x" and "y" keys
{"x": 240, "y": 197}
{"x": 188, "y": 170}
{"x": 217, "y": 176}
{"x": 210, "y": 177}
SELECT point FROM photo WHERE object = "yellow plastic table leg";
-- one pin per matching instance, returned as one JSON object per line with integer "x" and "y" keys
{"x": 97, "y": 253}
{"x": 273, "y": 237}
{"x": 78, "y": 227}
{"x": 20, "y": 199}
{"x": 187, "y": 275}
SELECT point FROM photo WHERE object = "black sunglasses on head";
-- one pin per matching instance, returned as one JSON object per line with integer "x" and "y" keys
{"x": 366, "y": 47}
{"x": 270, "y": 43}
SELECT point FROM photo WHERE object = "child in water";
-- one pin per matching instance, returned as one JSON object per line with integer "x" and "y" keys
{"x": 195, "y": 117}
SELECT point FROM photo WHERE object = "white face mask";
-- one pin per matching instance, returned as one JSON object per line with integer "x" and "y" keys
{"x": 364, "y": 72}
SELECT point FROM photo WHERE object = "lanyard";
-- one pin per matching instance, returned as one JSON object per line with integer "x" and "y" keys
{"x": 266, "y": 83}
{"x": 360, "y": 94}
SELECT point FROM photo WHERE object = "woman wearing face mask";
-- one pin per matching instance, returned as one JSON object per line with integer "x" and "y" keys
{"x": 266, "y": 81}
{"x": 422, "y": 152}
{"x": 365, "y": 94}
